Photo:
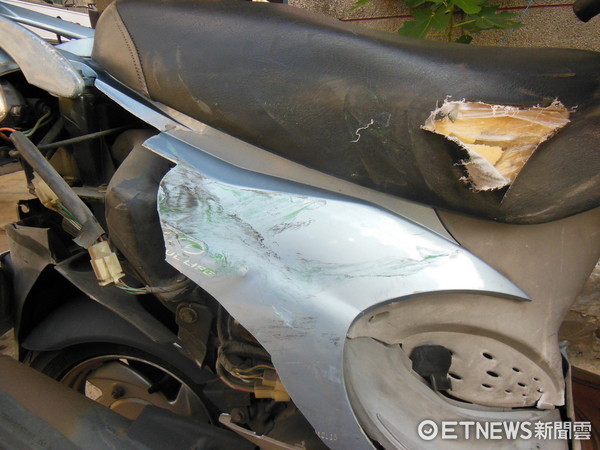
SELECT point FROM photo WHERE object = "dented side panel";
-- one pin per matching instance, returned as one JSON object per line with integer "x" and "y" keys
{"x": 297, "y": 265}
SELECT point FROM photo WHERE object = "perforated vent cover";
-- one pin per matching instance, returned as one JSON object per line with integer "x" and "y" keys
{"x": 488, "y": 372}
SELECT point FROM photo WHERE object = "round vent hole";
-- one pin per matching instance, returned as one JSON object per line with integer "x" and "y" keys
{"x": 540, "y": 391}
{"x": 523, "y": 395}
{"x": 492, "y": 374}
{"x": 537, "y": 380}
{"x": 487, "y": 386}
{"x": 522, "y": 384}
{"x": 455, "y": 376}
{"x": 508, "y": 391}
{"x": 487, "y": 356}
{"x": 516, "y": 370}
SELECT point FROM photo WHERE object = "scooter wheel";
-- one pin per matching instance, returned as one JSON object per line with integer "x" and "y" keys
{"x": 123, "y": 379}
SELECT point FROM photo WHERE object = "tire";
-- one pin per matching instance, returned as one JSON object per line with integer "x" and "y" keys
{"x": 123, "y": 379}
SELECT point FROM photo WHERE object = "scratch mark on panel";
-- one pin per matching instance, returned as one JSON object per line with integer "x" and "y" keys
{"x": 358, "y": 130}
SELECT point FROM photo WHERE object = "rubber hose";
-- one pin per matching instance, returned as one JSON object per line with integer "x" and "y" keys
{"x": 91, "y": 229}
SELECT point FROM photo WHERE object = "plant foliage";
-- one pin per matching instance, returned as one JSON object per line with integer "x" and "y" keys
{"x": 446, "y": 17}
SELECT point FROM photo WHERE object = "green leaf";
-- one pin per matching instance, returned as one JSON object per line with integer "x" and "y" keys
{"x": 359, "y": 3}
{"x": 464, "y": 39}
{"x": 440, "y": 20}
{"x": 469, "y": 6}
{"x": 424, "y": 20}
{"x": 488, "y": 18}
{"x": 415, "y": 3}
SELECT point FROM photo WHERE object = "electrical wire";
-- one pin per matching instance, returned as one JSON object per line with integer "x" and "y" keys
{"x": 38, "y": 124}
{"x": 152, "y": 289}
{"x": 519, "y": 19}
{"x": 258, "y": 367}
{"x": 5, "y": 137}
{"x": 69, "y": 215}
{"x": 78, "y": 139}
{"x": 230, "y": 383}
{"x": 245, "y": 378}
{"x": 248, "y": 377}
{"x": 235, "y": 387}
{"x": 129, "y": 289}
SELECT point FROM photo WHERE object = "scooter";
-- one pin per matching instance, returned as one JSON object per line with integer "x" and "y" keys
{"x": 273, "y": 224}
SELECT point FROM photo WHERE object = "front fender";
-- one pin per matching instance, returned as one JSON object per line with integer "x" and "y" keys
{"x": 6, "y": 303}
{"x": 39, "y": 285}
{"x": 84, "y": 321}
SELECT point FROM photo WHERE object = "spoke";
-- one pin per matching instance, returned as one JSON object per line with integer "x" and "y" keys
{"x": 187, "y": 403}
{"x": 119, "y": 383}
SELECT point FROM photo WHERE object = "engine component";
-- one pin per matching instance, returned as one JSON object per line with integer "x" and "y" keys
{"x": 433, "y": 362}
{"x": 12, "y": 105}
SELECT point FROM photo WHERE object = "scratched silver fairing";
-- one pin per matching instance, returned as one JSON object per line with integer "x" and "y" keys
{"x": 296, "y": 266}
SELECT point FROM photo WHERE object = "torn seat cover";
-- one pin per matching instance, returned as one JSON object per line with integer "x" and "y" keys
{"x": 350, "y": 101}
{"x": 498, "y": 139}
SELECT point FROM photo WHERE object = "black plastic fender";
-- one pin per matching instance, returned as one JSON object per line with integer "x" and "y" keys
{"x": 39, "y": 285}
{"x": 6, "y": 304}
{"x": 30, "y": 255}
{"x": 78, "y": 271}
{"x": 82, "y": 320}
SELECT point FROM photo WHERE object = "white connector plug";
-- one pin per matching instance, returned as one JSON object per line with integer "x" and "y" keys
{"x": 46, "y": 195}
{"x": 105, "y": 263}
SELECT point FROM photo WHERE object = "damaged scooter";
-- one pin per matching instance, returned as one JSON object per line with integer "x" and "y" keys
{"x": 252, "y": 226}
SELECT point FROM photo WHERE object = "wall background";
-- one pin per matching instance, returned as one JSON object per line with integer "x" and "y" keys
{"x": 547, "y": 23}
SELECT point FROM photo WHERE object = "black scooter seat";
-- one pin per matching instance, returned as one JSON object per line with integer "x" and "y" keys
{"x": 350, "y": 101}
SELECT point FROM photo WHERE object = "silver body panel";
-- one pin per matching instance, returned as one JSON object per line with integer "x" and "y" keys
{"x": 79, "y": 47}
{"x": 296, "y": 266}
{"x": 41, "y": 63}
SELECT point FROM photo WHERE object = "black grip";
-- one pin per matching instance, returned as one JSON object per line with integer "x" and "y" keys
{"x": 586, "y": 9}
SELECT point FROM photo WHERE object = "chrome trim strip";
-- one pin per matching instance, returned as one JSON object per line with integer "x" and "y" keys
{"x": 44, "y": 22}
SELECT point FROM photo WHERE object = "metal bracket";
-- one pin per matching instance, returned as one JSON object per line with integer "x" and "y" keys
{"x": 194, "y": 326}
